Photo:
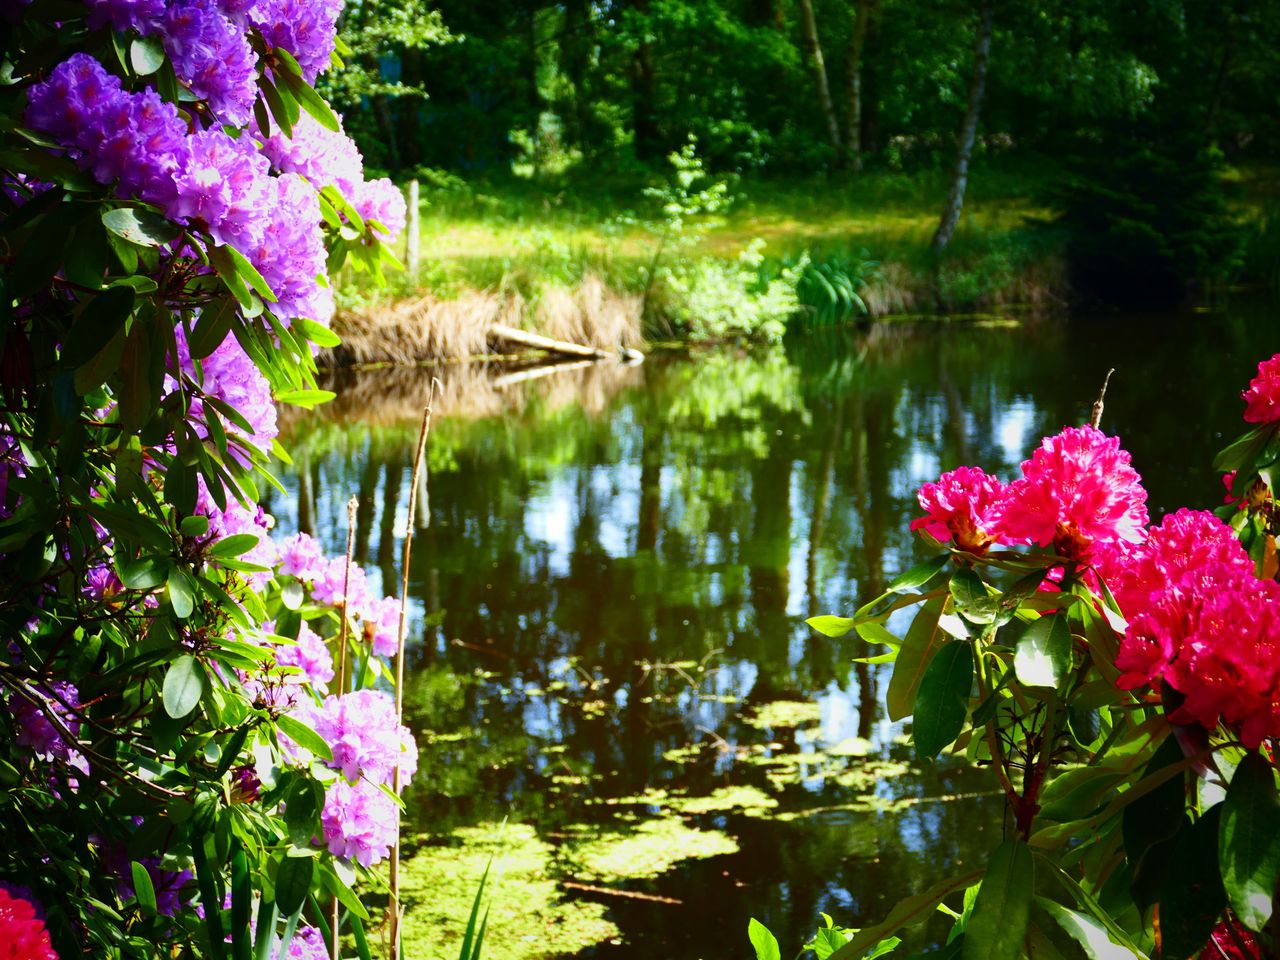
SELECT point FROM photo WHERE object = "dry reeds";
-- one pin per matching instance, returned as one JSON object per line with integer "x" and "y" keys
{"x": 428, "y": 328}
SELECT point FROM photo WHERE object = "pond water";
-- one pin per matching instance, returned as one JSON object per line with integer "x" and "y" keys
{"x": 610, "y": 577}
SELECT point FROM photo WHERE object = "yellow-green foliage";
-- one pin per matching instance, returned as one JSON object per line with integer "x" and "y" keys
{"x": 529, "y": 918}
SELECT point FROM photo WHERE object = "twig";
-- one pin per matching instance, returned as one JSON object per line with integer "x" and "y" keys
{"x": 1097, "y": 404}
{"x": 352, "y": 505}
{"x": 393, "y": 903}
{"x": 629, "y": 894}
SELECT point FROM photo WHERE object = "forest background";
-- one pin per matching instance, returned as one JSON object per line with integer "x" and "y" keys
{"x": 1111, "y": 152}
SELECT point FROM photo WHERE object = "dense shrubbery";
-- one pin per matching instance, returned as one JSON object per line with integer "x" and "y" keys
{"x": 1119, "y": 679}
{"x": 200, "y": 745}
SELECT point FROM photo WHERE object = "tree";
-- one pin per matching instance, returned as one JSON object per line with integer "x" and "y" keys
{"x": 813, "y": 51}
{"x": 968, "y": 132}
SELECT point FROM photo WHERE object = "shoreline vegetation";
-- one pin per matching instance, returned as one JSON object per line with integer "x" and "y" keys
{"x": 580, "y": 263}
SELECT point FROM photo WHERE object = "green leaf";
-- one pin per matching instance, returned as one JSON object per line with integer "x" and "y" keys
{"x": 943, "y": 699}
{"x": 1003, "y": 908}
{"x": 1192, "y": 896}
{"x": 304, "y": 736}
{"x": 291, "y": 595}
{"x": 182, "y": 593}
{"x": 920, "y": 574}
{"x": 923, "y": 639}
{"x": 764, "y": 941}
{"x": 233, "y": 546}
{"x": 143, "y": 227}
{"x": 305, "y": 398}
{"x": 249, "y": 273}
{"x": 211, "y": 328}
{"x": 264, "y": 938}
{"x": 303, "y": 801}
{"x": 146, "y": 55}
{"x": 1043, "y": 657}
{"x": 906, "y": 912}
{"x": 98, "y": 323}
{"x": 293, "y": 882}
{"x": 184, "y": 685}
{"x": 194, "y": 526}
{"x": 830, "y": 626}
{"x": 143, "y": 890}
{"x": 310, "y": 101}
{"x": 144, "y": 574}
{"x": 1249, "y": 841}
{"x": 317, "y": 333}
{"x": 1243, "y": 452}
{"x": 241, "y": 901}
{"x": 1084, "y": 930}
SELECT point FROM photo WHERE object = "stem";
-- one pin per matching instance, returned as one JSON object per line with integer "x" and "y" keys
{"x": 352, "y": 504}
{"x": 993, "y": 740}
{"x": 393, "y": 903}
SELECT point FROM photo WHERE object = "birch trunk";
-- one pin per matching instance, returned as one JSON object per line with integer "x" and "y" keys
{"x": 853, "y": 85}
{"x": 964, "y": 150}
{"x": 813, "y": 48}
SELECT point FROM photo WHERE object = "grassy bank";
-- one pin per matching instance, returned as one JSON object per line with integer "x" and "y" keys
{"x": 594, "y": 262}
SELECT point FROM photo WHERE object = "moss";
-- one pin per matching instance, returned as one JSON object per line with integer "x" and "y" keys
{"x": 529, "y": 919}
{"x": 645, "y": 850}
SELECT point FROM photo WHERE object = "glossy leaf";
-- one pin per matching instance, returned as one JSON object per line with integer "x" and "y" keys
{"x": 1192, "y": 895}
{"x": 182, "y": 592}
{"x": 183, "y": 686}
{"x": 1003, "y": 908}
{"x": 304, "y": 736}
{"x": 920, "y": 574}
{"x": 905, "y": 913}
{"x": 1043, "y": 656}
{"x": 143, "y": 227}
{"x": 765, "y": 943}
{"x": 923, "y": 640}
{"x": 942, "y": 700}
{"x": 830, "y": 626}
{"x": 293, "y": 882}
{"x": 143, "y": 889}
{"x": 1249, "y": 841}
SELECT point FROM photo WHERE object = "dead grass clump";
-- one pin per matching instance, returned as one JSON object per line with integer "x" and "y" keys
{"x": 427, "y": 328}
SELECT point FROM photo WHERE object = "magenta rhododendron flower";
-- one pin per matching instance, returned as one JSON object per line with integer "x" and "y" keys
{"x": 1213, "y": 634}
{"x": 22, "y": 933}
{"x": 1231, "y": 940}
{"x": 366, "y": 739}
{"x": 1182, "y": 542}
{"x": 961, "y": 504}
{"x": 1079, "y": 488}
{"x": 1262, "y": 399}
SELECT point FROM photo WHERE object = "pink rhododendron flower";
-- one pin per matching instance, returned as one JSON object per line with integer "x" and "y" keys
{"x": 1079, "y": 488}
{"x": 301, "y": 557}
{"x": 22, "y": 934}
{"x": 383, "y": 628}
{"x": 1262, "y": 399}
{"x": 961, "y": 504}
{"x": 359, "y": 821}
{"x": 366, "y": 740}
{"x": 1231, "y": 940}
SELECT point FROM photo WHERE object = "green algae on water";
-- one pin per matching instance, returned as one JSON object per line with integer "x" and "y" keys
{"x": 529, "y": 917}
{"x": 644, "y": 850}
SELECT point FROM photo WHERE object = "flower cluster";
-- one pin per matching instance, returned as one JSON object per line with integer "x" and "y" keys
{"x": 359, "y": 822}
{"x": 332, "y": 583}
{"x": 366, "y": 739}
{"x": 22, "y": 933}
{"x": 1262, "y": 398}
{"x": 330, "y": 158}
{"x": 60, "y": 701}
{"x": 1077, "y": 491}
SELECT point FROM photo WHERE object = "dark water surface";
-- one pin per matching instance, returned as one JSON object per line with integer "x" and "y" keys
{"x": 610, "y": 578}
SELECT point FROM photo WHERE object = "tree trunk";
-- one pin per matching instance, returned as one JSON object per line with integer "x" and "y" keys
{"x": 853, "y": 85}
{"x": 964, "y": 150}
{"x": 813, "y": 48}
{"x": 644, "y": 94}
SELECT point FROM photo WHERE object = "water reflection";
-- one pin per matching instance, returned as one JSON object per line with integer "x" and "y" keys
{"x": 612, "y": 568}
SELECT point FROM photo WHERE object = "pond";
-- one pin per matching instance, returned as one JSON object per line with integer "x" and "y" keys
{"x": 611, "y": 571}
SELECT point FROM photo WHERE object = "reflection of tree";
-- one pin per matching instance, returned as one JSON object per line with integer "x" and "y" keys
{"x": 588, "y": 560}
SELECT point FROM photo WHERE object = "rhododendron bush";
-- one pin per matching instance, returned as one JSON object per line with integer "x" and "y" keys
{"x": 200, "y": 745}
{"x": 1120, "y": 679}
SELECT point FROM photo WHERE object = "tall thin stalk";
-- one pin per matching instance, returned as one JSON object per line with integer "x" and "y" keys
{"x": 335, "y": 947}
{"x": 393, "y": 904}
